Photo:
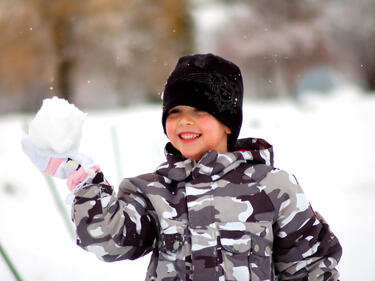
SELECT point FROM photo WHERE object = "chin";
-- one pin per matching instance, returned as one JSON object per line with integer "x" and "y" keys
{"x": 187, "y": 154}
{"x": 193, "y": 156}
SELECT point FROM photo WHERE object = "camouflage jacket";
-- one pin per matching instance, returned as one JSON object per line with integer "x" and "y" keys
{"x": 230, "y": 216}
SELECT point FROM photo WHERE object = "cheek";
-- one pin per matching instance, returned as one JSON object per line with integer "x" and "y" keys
{"x": 169, "y": 127}
{"x": 210, "y": 125}
{"x": 205, "y": 121}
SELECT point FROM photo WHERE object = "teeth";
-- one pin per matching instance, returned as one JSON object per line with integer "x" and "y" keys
{"x": 189, "y": 136}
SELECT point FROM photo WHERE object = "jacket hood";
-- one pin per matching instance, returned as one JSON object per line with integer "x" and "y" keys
{"x": 251, "y": 150}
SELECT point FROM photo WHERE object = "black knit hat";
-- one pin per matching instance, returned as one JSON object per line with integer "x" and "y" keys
{"x": 210, "y": 83}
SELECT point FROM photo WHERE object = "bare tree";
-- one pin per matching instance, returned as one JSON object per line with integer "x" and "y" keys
{"x": 275, "y": 46}
{"x": 25, "y": 61}
{"x": 50, "y": 47}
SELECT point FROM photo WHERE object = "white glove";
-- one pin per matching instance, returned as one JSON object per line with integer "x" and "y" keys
{"x": 60, "y": 165}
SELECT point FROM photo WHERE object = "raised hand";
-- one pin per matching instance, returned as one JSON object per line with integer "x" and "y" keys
{"x": 59, "y": 165}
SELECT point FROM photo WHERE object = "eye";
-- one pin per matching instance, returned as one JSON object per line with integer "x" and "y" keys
{"x": 200, "y": 112}
{"x": 174, "y": 111}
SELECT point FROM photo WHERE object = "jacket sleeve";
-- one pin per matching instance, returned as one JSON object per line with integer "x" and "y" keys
{"x": 114, "y": 227}
{"x": 304, "y": 247}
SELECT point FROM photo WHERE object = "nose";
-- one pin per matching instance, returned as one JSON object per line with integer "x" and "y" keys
{"x": 186, "y": 119}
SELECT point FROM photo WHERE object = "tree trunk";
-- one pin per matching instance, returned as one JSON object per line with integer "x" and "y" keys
{"x": 62, "y": 39}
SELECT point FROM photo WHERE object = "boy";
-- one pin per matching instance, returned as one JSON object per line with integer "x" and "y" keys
{"x": 217, "y": 209}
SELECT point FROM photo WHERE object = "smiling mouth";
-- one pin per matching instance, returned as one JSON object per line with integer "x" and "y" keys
{"x": 189, "y": 136}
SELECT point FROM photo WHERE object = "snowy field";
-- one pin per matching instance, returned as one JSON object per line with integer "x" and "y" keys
{"x": 327, "y": 142}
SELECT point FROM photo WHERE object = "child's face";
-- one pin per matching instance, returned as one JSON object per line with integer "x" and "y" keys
{"x": 195, "y": 132}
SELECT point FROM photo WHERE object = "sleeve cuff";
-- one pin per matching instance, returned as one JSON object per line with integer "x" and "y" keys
{"x": 78, "y": 178}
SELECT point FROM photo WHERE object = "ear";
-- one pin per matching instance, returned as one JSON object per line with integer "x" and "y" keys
{"x": 227, "y": 130}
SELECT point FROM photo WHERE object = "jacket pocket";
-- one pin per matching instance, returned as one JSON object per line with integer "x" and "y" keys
{"x": 235, "y": 244}
{"x": 171, "y": 243}
{"x": 260, "y": 259}
{"x": 172, "y": 240}
{"x": 172, "y": 250}
{"x": 246, "y": 253}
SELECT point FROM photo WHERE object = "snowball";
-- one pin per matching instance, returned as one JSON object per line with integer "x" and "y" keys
{"x": 57, "y": 126}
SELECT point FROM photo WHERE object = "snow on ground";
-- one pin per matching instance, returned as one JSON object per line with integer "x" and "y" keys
{"x": 326, "y": 141}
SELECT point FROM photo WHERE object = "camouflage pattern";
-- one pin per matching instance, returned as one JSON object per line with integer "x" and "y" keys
{"x": 229, "y": 216}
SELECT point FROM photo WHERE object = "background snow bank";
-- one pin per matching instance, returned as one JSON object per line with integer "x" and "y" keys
{"x": 327, "y": 142}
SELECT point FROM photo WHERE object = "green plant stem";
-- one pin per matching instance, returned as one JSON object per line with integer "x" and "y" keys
{"x": 60, "y": 206}
{"x": 10, "y": 264}
{"x": 117, "y": 154}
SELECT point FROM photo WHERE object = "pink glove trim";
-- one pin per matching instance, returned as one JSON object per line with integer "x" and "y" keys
{"x": 79, "y": 176}
{"x": 53, "y": 165}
